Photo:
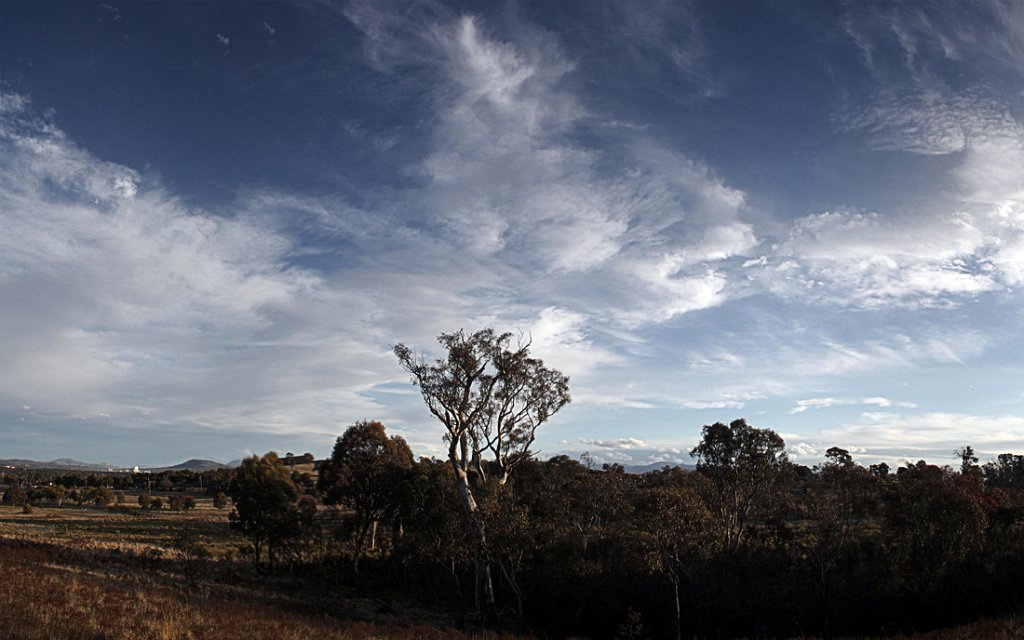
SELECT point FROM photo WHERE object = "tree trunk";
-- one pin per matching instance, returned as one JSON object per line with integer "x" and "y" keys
{"x": 675, "y": 593}
{"x": 511, "y": 578}
{"x": 484, "y": 586}
{"x": 373, "y": 536}
{"x": 357, "y": 552}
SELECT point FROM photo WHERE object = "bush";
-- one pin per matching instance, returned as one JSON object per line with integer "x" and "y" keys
{"x": 220, "y": 500}
{"x": 102, "y": 496}
{"x": 27, "y": 508}
{"x": 15, "y": 495}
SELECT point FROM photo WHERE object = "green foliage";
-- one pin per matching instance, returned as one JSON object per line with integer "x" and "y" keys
{"x": 741, "y": 463}
{"x": 264, "y": 497}
{"x": 367, "y": 473}
{"x": 14, "y": 496}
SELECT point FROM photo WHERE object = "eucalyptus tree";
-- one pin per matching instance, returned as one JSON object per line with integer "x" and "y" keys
{"x": 264, "y": 498}
{"x": 367, "y": 472}
{"x": 675, "y": 526}
{"x": 491, "y": 396}
{"x": 741, "y": 463}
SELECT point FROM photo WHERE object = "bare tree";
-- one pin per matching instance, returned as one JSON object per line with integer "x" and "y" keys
{"x": 491, "y": 397}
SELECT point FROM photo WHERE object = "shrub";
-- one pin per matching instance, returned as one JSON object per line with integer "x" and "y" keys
{"x": 220, "y": 500}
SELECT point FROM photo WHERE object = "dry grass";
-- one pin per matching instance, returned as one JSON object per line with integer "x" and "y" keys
{"x": 133, "y": 530}
{"x": 42, "y": 598}
{"x": 94, "y": 573}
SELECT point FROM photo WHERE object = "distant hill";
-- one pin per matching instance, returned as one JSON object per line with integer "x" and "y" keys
{"x": 195, "y": 464}
{"x": 656, "y": 466}
{"x": 60, "y": 463}
{"x": 67, "y": 464}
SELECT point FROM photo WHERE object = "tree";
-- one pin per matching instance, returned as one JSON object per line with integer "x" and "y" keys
{"x": 838, "y": 457}
{"x": 220, "y": 500}
{"x": 491, "y": 397}
{"x": 675, "y": 524}
{"x": 968, "y": 461}
{"x": 366, "y": 473}
{"x": 741, "y": 463}
{"x": 102, "y": 496}
{"x": 15, "y": 495}
{"x": 264, "y": 497}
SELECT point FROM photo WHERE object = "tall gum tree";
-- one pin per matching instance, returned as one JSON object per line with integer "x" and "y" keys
{"x": 491, "y": 397}
{"x": 741, "y": 464}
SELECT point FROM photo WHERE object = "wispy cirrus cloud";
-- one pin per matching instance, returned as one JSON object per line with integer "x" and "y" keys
{"x": 507, "y": 176}
{"x": 824, "y": 403}
{"x": 122, "y": 301}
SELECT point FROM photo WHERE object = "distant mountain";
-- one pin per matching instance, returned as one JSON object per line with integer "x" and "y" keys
{"x": 60, "y": 463}
{"x": 656, "y": 466}
{"x": 195, "y": 464}
{"x": 234, "y": 464}
{"x": 67, "y": 464}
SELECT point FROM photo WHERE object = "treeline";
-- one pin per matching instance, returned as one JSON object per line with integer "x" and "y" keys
{"x": 750, "y": 544}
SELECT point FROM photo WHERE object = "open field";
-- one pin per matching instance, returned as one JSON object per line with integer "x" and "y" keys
{"x": 130, "y": 529}
{"x": 88, "y": 572}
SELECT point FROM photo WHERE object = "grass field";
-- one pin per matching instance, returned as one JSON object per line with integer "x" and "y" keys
{"x": 91, "y": 572}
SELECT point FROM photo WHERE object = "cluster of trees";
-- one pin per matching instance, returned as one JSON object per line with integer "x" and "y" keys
{"x": 747, "y": 544}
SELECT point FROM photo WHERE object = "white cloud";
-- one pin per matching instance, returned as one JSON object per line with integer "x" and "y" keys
{"x": 931, "y": 434}
{"x": 822, "y": 403}
{"x": 703, "y": 405}
{"x": 119, "y": 296}
{"x": 931, "y": 123}
{"x": 621, "y": 443}
{"x": 868, "y": 261}
{"x": 506, "y": 182}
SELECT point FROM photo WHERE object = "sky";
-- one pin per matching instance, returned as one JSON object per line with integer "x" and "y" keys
{"x": 217, "y": 218}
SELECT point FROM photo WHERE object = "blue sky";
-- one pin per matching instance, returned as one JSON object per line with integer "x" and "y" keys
{"x": 217, "y": 218}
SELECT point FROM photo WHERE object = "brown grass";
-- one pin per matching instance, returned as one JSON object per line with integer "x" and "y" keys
{"x": 91, "y": 573}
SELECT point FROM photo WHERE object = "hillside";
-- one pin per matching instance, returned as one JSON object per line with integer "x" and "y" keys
{"x": 195, "y": 464}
